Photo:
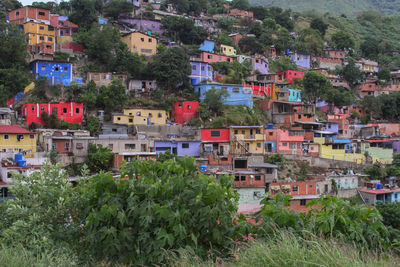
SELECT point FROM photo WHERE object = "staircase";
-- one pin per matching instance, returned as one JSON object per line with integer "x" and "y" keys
{"x": 242, "y": 144}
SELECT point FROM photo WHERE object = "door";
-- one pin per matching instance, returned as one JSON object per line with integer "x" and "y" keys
{"x": 221, "y": 150}
{"x": 174, "y": 151}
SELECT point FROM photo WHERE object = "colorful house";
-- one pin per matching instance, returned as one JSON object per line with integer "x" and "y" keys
{"x": 289, "y": 75}
{"x": 250, "y": 185}
{"x": 201, "y": 71}
{"x": 301, "y": 60}
{"x": 380, "y": 151}
{"x": 66, "y": 111}
{"x": 367, "y": 65}
{"x": 238, "y": 94}
{"x": 184, "y": 111}
{"x": 215, "y": 141}
{"x": 260, "y": 65}
{"x": 29, "y": 13}
{"x": 334, "y": 54}
{"x": 290, "y": 141}
{"x": 227, "y": 50}
{"x": 41, "y": 37}
{"x": 179, "y": 148}
{"x": 375, "y": 196}
{"x": 247, "y": 140}
{"x": 207, "y": 46}
{"x": 140, "y": 43}
{"x": 55, "y": 72}
{"x": 261, "y": 88}
{"x": 294, "y": 95}
{"x": 62, "y": 26}
{"x": 141, "y": 116}
{"x": 145, "y": 25}
{"x": 334, "y": 148}
{"x": 211, "y": 58}
{"x": 14, "y": 138}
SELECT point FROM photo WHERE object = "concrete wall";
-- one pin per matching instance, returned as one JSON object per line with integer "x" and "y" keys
{"x": 250, "y": 195}
{"x": 326, "y": 163}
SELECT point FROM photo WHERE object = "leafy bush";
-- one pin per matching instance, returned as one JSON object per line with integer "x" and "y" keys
{"x": 163, "y": 206}
{"x": 100, "y": 158}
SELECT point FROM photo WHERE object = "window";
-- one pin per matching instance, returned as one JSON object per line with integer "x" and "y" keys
{"x": 31, "y": 136}
{"x": 224, "y": 88}
{"x": 3, "y": 150}
{"x": 41, "y": 38}
{"x": 130, "y": 120}
{"x": 270, "y": 133}
{"x": 150, "y": 115}
{"x": 258, "y": 131}
{"x": 65, "y": 110}
{"x": 20, "y": 137}
{"x": 243, "y": 131}
{"x": 43, "y": 68}
{"x": 215, "y": 133}
{"x": 11, "y": 150}
{"x": 209, "y": 56}
{"x": 292, "y": 145}
{"x": 150, "y": 40}
{"x": 142, "y": 39}
{"x": 258, "y": 145}
{"x": 119, "y": 118}
{"x": 111, "y": 146}
{"x": 50, "y": 39}
{"x": 77, "y": 110}
{"x": 194, "y": 67}
{"x": 295, "y": 188}
{"x": 41, "y": 13}
{"x": 138, "y": 113}
{"x": 130, "y": 146}
{"x": 310, "y": 186}
{"x": 41, "y": 27}
{"x": 237, "y": 178}
{"x": 236, "y": 90}
{"x": 185, "y": 145}
{"x": 79, "y": 146}
{"x": 202, "y": 68}
{"x": 236, "y": 131}
{"x": 284, "y": 144}
{"x": 258, "y": 177}
{"x": 326, "y": 188}
{"x": 17, "y": 13}
{"x": 6, "y": 136}
{"x": 242, "y": 178}
{"x": 160, "y": 115}
{"x": 147, "y": 51}
{"x": 57, "y": 69}
{"x": 303, "y": 202}
{"x": 67, "y": 146}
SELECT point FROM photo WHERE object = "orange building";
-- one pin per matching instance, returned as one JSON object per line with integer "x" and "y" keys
{"x": 29, "y": 13}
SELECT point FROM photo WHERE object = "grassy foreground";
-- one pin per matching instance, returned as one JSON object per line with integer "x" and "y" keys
{"x": 287, "y": 250}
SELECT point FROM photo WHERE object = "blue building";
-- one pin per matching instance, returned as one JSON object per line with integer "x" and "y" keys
{"x": 331, "y": 126}
{"x": 301, "y": 60}
{"x": 207, "y": 46}
{"x": 294, "y": 95}
{"x": 270, "y": 146}
{"x": 55, "y": 72}
{"x": 238, "y": 95}
{"x": 200, "y": 71}
{"x": 179, "y": 148}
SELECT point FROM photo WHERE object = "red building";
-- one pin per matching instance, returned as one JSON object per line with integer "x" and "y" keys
{"x": 249, "y": 179}
{"x": 28, "y": 13}
{"x": 62, "y": 26}
{"x": 210, "y": 58}
{"x": 67, "y": 111}
{"x": 184, "y": 111}
{"x": 215, "y": 135}
{"x": 289, "y": 75}
{"x": 261, "y": 88}
{"x": 215, "y": 146}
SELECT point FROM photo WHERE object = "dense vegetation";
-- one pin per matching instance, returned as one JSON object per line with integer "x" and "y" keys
{"x": 161, "y": 212}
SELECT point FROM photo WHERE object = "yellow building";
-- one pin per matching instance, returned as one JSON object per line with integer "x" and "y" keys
{"x": 39, "y": 33}
{"x": 366, "y": 65}
{"x": 334, "y": 151}
{"x": 247, "y": 140}
{"x": 141, "y": 116}
{"x": 228, "y": 50}
{"x": 14, "y": 138}
{"x": 141, "y": 43}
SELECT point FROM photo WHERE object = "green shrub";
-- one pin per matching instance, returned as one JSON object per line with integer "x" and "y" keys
{"x": 99, "y": 158}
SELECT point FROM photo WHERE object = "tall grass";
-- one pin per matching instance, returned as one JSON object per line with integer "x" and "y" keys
{"x": 286, "y": 249}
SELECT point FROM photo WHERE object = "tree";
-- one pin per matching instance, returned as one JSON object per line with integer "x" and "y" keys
{"x": 115, "y": 7}
{"x": 370, "y": 47}
{"x": 342, "y": 40}
{"x": 240, "y": 4}
{"x": 99, "y": 158}
{"x": 315, "y": 86}
{"x": 127, "y": 62}
{"x": 339, "y": 97}
{"x": 384, "y": 74}
{"x": 281, "y": 64}
{"x": 309, "y": 42}
{"x": 375, "y": 172}
{"x": 223, "y": 38}
{"x": 319, "y": 25}
{"x": 93, "y": 125}
{"x": 251, "y": 45}
{"x": 100, "y": 43}
{"x": 214, "y": 100}
{"x": 351, "y": 73}
{"x": 113, "y": 96}
{"x": 161, "y": 206}
{"x": 84, "y": 12}
{"x": 89, "y": 95}
{"x": 183, "y": 29}
{"x": 171, "y": 68}
{"x": 284, "y": 41}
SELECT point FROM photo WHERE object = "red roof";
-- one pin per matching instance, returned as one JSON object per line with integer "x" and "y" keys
{"x": 10, "y": 129}
{"x": 379, "y": 191}
{"x": 379, "y": 141}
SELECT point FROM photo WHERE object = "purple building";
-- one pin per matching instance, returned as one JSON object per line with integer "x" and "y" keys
{"x": 260, "y": 65}
{"x": 179, "y": 148}
{"x": 145, "y": 25}
{"x": 200, "y": 71}
{"x": 301, "y": 60}
{"x": 396, "y": 146}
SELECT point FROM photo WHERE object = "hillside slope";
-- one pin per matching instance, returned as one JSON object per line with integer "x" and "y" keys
{"x": 335, "y": 7}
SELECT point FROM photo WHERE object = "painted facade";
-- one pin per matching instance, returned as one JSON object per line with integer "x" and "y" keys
{"x": 265, "y": 89}
{"x": 247, "y": 140}
{"x": 260, "y": 65}
{"x": 375, "y": 196}
{"x": 301, "y": 60}
{"x": 211, "y": 58}
{"x": 145, "y": 25}
{"x": 62, "y": 26}
{"x": 238, "y": 95}
{"x": 184, "y": 111}
{"x": 207, "y": 46}
{"x": 227, "y": 50}
{"x": 250, "y": 195}
{"x": 201, "y": 71}
{"x": 55, "y": 72}
{"x": 66, "y": 111}
{"x": 41, "y": 37}
{"x": 289, "y": 75}
{"x": 29, "y": 13}
{"x": 380, "y": 151}
{"x": 141, "y": 43}
{"x": 179, "y": 148}
{"x": 141, "y": 116}
{"x": 14, "y": 138}
{"x": 294, "y": 95}
{"x": 290, "y": 141}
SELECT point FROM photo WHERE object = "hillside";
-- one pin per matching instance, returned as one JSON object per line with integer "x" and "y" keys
{"x": 336, "y": 7}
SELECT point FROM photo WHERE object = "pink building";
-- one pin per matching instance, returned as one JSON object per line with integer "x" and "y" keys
{"x": 290, "y": 141}
{"x": 211, "y": 58}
